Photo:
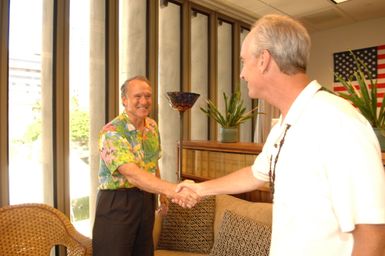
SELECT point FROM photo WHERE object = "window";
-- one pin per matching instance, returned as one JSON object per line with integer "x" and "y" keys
{"x": 225, "y": 62}
{"x": 30, "y": 102}
{"x": 79, "y": 114}
{"x": 246, "y": 128}
{"x": 199, "y": 72}
{"x": 64, "y": 71}
{"x": 86, "y": 107}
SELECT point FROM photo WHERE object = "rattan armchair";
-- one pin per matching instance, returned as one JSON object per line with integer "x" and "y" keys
{"x": 33, "y": 229}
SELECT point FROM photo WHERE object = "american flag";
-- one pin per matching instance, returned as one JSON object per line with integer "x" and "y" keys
{"x": 373, "y": 57}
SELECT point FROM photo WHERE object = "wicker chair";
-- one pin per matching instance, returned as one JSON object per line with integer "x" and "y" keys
{"x": 33, "y": 229}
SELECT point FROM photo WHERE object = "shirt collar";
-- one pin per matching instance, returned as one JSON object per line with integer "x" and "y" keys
{"x": 130, "y": 125}
{"x": 299, "y": 104}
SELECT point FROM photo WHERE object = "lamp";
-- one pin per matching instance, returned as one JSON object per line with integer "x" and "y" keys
{"x": 339, "y": 1}
{"x": 181, "y": 101}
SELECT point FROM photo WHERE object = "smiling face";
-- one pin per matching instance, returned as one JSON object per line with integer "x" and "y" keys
{"x": 138, "y": 100}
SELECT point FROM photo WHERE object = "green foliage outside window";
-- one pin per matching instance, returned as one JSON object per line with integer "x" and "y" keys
{"x": 33, "y": 132}
{"x": 80, "y": 207}
{"x": 79, "y": 127}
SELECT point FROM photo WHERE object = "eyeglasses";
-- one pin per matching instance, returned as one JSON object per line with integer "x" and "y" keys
{"x": 271, "y": 167}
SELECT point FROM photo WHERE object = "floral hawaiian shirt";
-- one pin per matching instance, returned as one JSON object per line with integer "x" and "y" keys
{"x": 121, "y": 143}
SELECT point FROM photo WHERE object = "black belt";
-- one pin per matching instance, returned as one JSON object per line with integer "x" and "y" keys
{"x": 133, "y": 189}
{"x": 123, "y": 189}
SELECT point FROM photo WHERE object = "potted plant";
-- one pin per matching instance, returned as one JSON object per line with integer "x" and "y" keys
{"x": 233, "y": 115}
{"x": 365, "y": 98}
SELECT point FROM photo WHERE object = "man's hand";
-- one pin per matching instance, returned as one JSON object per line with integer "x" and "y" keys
{"x": 185, "y": 197}
{"x": 189, "y": 184}
{"x": 186, "y": 192}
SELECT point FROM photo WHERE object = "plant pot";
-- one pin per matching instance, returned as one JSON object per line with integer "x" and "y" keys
{"x": 228, "y": 134}
{"x": 380, "y": 133}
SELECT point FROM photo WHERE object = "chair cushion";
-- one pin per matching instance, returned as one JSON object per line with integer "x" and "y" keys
{"x": 189, "y": 229}
{"x": 239, "y": 235}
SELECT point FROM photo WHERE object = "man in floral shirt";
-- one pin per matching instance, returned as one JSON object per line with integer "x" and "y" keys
{"x": 129, "y": 176}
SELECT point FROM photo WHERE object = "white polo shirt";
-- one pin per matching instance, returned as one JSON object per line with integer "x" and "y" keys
{"x": 329, "y": 176}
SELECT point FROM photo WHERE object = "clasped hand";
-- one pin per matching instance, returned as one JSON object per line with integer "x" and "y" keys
{"x": 186, "y": 195}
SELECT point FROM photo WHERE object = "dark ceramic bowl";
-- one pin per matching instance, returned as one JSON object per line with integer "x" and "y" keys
{"x": 182, "y": 101}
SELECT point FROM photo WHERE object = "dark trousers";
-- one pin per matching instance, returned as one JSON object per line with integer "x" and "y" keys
{"x": 123, "y": 225}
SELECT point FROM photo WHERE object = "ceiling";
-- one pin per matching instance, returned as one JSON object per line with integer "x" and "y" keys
{"x": 316, "y": 15}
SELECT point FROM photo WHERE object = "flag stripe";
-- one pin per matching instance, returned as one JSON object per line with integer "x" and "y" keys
{"x": 366, "y": 54}
{"x": 341, "y": 88}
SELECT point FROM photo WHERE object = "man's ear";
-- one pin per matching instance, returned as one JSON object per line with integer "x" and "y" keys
{"x": 264, "y": 61}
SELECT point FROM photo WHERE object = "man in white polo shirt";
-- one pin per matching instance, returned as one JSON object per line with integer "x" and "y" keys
{"x": 322, "y": 159}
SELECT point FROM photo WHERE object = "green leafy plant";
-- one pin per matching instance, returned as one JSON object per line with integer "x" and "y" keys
{"x": 365, "y": 99}
{"x": 234, "y": 114}
{"x": 79, "y": 127}
{"x": 81, "y": 209}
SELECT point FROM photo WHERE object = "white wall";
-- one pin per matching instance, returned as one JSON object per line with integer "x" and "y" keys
{"x": 325, "y": 43}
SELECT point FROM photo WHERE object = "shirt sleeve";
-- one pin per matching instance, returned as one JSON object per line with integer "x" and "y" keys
{"x": 261, "y": 165}
{"x": 115, "y": 151}
{"x": 355, "y": 175}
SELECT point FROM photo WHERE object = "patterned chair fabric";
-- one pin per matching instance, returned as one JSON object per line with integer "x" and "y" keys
{"x": 33, "y": 229}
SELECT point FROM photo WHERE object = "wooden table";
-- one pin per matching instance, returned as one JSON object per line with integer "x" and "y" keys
{"x": 205, "y": 160}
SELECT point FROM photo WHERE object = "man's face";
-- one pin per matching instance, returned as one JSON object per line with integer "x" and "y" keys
{"x": 250, "y": 72}
{"x": 138, "y": 100}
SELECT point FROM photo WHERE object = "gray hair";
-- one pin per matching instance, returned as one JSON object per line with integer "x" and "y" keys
{"x": 286, "y": 39}
{"x": 124, "y": 87}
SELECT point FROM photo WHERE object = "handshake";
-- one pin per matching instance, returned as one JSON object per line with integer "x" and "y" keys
{"x": 186, "y": 194}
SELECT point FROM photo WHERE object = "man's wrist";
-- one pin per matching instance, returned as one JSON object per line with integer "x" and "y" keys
{"x": 169, "y": 190}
